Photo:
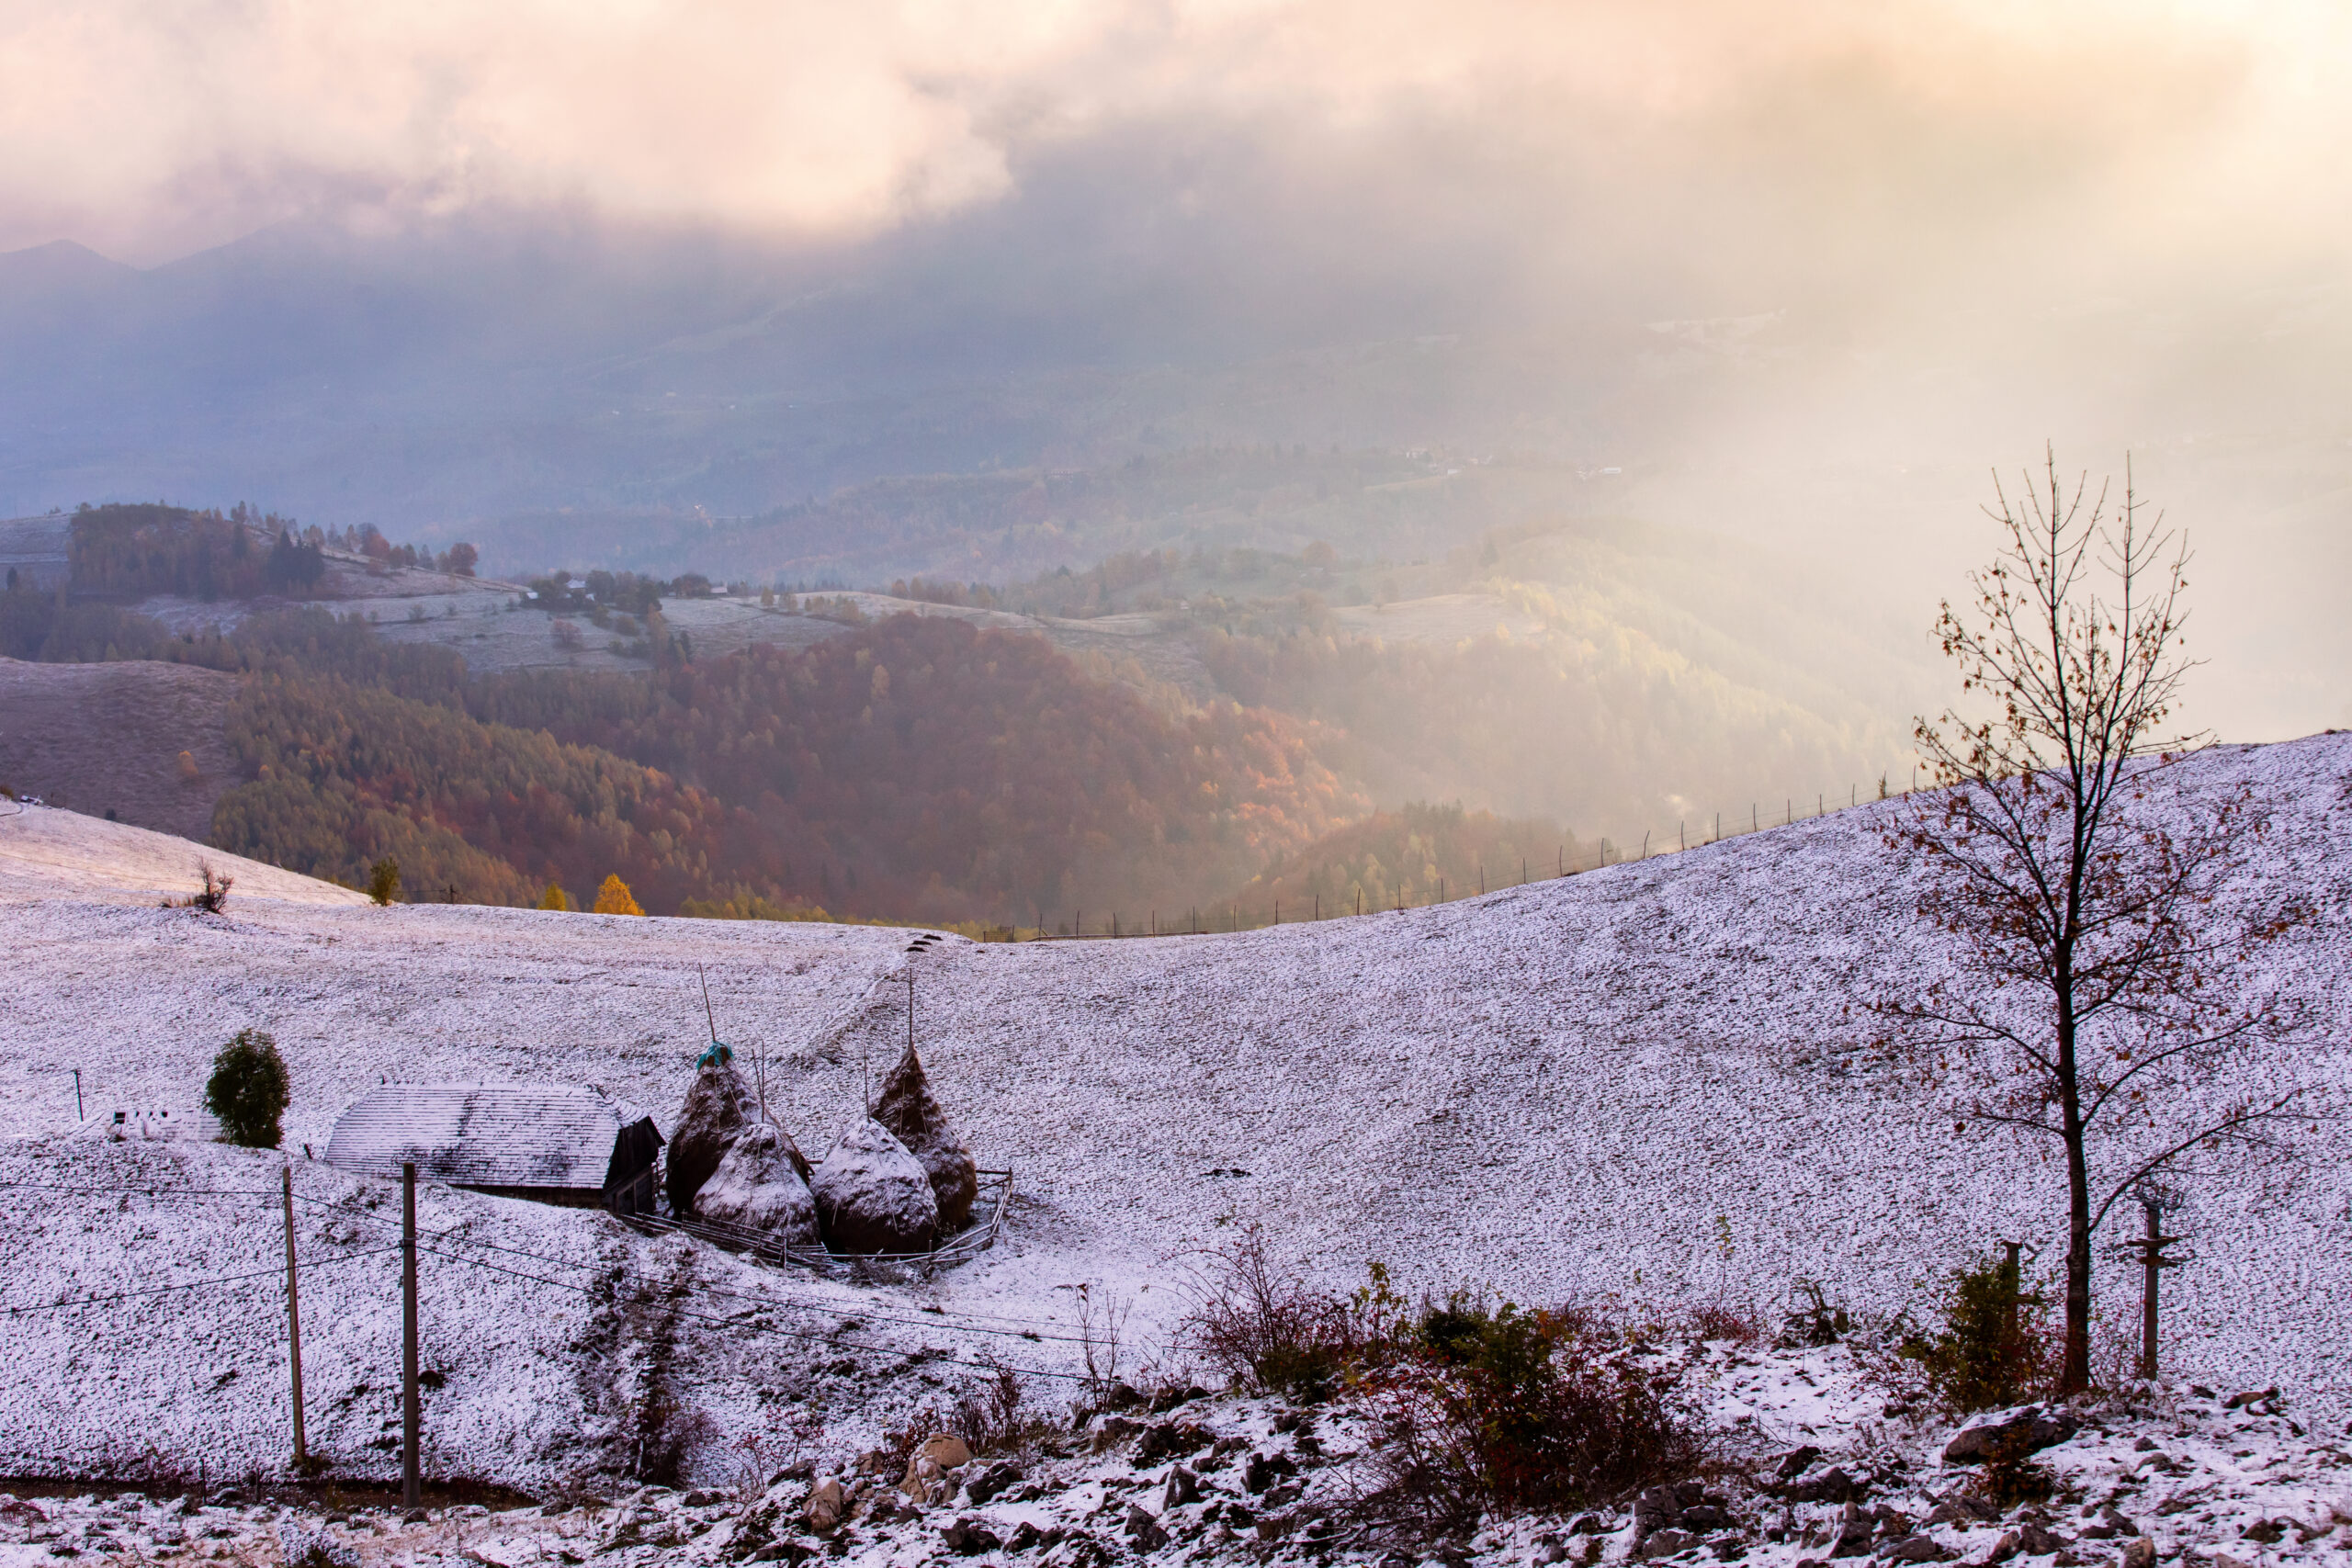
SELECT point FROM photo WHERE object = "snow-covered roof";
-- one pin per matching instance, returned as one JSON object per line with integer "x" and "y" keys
{"x": 484, "y": 1134}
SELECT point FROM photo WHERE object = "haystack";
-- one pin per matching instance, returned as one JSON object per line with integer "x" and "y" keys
{"x": 717, "y": 1105}
{"x": 758, "y": 1187}
{"x": 873, "y": 1195}
{"x": 906, "y": 1107}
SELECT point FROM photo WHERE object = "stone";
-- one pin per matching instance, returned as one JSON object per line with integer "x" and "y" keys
{"x": 1183, "y": 1487}
{"x": 758, "y": 1187}
{"x": 926, "y": 1483}
{"x": 993, "y": 1481}
{"x": 967, "y": 1537}
{"x": 1666, "y": 1543}
{"x": 1703, "y": 1517}
{"x": 2035, "y": 1542}
{"x": 2141, "y": 1554}
{"x": 1144, "y": 1530}
{"x": 1796, "y": 1462}
{"x": 305, "y": 1547}
{"x": 1262, "y": 1468}
{"x": 790, "y": 1552}
{"x": 947, "y": 1452}
{"x": 1854, "y": 1528}
{"x": 1171, "y": 1439}
{"x": 905, "y": 1106}
{"x": 872, "y": 1195}
{"x": 1918, "y": 1549}
{"x": 2025, "y": 1429}
{"x": 2265, "y": 1532}
{"x": 1027, "y": 1536}
{"x": 1110, "y": 1431}
{"x": 1828, "y": 1484}
{"x": 827, "y": 1502}
{"x": 717, "y": 1105}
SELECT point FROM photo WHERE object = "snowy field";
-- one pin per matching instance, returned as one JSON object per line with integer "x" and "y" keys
{"x": 1639, "y": 1084}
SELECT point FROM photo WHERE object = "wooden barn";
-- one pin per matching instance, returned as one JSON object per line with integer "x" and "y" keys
{"x": 553, "y": 1143}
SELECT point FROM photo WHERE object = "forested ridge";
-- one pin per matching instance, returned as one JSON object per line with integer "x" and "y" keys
{"x": 917, "y": 768}
{"x": 923, "y": 766}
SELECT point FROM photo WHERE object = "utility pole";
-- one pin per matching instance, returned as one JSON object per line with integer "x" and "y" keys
{"x": 2151, "y": 1246}
{"x": 294, "y": 1320}
{"x": 412, "y": 1478}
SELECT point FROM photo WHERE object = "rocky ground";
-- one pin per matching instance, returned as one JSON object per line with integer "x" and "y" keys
{"x": 1809, "y": 1468}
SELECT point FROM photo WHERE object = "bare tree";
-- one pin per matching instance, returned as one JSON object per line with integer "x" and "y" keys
{"x": 2097, "y": 1004}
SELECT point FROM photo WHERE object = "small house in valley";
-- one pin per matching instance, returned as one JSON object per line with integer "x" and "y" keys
{"x": 553, "y": 1143}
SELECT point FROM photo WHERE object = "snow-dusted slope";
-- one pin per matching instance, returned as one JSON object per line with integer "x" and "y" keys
{"x": 1638, "y": 1082}
{"x": 48, "y": 853}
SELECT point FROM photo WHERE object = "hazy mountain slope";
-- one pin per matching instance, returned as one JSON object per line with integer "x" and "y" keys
{"x": 111, "y": 738}
{"x": 1636, "y": 1084}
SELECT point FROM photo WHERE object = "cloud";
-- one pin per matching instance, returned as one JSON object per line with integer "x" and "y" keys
{"x": 1830, "y": 133}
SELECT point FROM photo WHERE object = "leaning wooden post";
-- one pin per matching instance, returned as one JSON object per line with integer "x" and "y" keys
{"x": 294, "y": 1322}
{"x": 412, "y": 1478}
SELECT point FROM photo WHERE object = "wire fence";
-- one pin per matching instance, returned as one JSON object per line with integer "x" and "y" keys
{"x": 459, "y": 1254}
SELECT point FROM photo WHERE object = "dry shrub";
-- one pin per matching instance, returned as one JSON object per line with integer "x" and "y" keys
{"x": 1261, "y": 1326}
{"x": 757, "y": 1460}
{"x": 1717, "y": 1321}
{"x": 990, "y": 1415}
{"x": 1498, "y": 1411}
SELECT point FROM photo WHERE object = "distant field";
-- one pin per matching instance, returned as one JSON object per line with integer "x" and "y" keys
{"x": 104, "y": 738}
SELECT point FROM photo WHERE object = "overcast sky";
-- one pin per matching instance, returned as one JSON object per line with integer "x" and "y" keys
{"x": 2081, "y": 144}
{"x": 1987, "y": 222}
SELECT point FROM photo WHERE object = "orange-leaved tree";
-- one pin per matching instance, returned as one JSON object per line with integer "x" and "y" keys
{"x": 615, "y": 899}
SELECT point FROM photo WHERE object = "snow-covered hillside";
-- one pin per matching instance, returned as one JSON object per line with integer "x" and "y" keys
{"x": 1639, "y": 1083}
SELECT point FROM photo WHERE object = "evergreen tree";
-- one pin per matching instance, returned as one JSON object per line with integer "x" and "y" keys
{"x": 247, "y": 1090}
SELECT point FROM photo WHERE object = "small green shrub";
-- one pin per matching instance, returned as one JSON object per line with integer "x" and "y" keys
{"x": 384, "y": 880}
{"x": 247, "y": 1090}
{"x": 1994, "y": 1348}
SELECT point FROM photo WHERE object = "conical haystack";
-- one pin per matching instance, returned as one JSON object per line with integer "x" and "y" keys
{"x": 873, "y": 1195}
{"x": 758, "y": 1187}
{"x": 716, "y": 1106}
{"x": 906, "y": 1107}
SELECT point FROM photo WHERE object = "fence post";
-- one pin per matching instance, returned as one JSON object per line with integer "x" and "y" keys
{"x": 411, "y": 1476}
{"x": 294, "y": 1319}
